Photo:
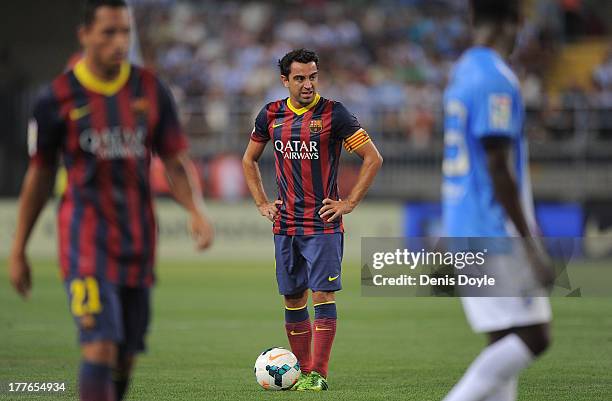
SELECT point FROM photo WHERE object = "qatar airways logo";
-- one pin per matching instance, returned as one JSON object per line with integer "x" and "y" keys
{"x": 114, "y": 142}
{"x": 297, "y": 150}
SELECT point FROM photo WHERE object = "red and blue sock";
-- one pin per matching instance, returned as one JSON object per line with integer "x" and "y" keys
{"x": 324, "y": 333}
{"x": 299, "y": 333}
{"x": 95, "y": 382}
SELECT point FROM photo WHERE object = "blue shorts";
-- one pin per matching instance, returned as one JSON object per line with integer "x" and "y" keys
{"x": 105, "y": 311}
{"x": 308, "y": 262}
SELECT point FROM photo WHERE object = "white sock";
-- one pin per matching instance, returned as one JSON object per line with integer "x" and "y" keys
{"x": 506, "y": 392}
{"x": 492, "y": 369}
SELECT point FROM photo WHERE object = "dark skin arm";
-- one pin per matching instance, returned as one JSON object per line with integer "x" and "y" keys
{"x": 252, "y": 175}
{"x": 372, "y": 161}
{"x": 185, "y": 188}
{"x": 507, "y": 194}
{"x": 35, "y": 192}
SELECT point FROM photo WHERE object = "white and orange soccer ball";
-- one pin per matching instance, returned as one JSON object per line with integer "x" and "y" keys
{"x": 277, "y": 369}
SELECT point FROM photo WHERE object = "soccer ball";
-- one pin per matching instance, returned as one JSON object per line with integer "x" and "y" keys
{"x": 277, "y": 369}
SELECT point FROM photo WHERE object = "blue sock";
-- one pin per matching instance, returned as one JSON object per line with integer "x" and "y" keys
{"x": 325, "y": 310}
{"x": 95, "y": 382}
{"x": 295, "y": 315}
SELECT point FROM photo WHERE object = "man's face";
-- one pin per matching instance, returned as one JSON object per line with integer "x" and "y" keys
{"x": 107, "y": 39}
{"x": 302, "y": 82}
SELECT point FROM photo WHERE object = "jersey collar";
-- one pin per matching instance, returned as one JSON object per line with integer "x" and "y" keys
{"x": 95, "y": 84}
{"x": 304, "y": 109}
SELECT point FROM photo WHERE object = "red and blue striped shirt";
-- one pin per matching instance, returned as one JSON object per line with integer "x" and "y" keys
{"x": 307, "y": 144}
{"x": 105, "y": 134}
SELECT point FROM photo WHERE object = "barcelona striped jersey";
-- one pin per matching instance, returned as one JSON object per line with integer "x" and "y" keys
{"x": 307, "y": 143}
{"x": 105, "y": 133}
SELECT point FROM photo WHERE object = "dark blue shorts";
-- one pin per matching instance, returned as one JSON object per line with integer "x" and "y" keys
{"x": 105, "y": 311}
{"x": 308, "y": 261}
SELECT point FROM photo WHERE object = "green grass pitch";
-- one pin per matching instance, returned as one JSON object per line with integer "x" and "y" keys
{"x": 211, "y": 319}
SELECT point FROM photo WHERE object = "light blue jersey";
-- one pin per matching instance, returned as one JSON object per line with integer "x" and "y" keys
{"x": 482, "y": 99}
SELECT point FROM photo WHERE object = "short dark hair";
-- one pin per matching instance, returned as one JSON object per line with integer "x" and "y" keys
{"x": 90, "y": 7}
{"x": 495, "y": 11}
{"x": 300, "y": 55}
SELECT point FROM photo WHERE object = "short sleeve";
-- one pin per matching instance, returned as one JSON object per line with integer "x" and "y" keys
{"x": 495, "y": 114}
{"x": 45, "y": 130}
{"x": 346, "y": 128}
{"x": 169, "y": 136}
{"x": 260, "y": 130}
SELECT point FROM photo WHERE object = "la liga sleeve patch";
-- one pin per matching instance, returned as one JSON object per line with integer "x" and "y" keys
{"x": 500, "y": 111}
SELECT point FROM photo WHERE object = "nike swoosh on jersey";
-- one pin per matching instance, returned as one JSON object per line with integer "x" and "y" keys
{"x": 278, "y": 125}
{"x": 330, "y": 278}
{"x": 76, "y": 114}
{"x": 297, "y": 333}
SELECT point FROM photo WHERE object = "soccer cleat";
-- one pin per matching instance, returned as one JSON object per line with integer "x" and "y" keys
{"x": 315, "y": 382}
{"x": 303, "y": 379}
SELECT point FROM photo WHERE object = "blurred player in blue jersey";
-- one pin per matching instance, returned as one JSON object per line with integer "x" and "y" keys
{"x": 486, "y": 193}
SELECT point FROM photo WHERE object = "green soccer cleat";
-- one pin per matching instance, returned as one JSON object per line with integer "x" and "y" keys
{"x": 301, "y": 381}
{"x": 315, "y": 382}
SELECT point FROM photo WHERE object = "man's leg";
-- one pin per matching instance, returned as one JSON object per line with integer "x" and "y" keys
{"x": 95, "y": 382}
{"x": 298, "y": 328}
{"x": 537, "y": 339}
{"x": 95, "y": 307}
{"x": 135, "y": 307}
{"x": 122, "y": 373}
{"x": 492, "y": 375}
{"x": 324, "y": 329}
{"x": 292, "y": 279}
{"x": 506, "y": 392}
{"x": 324, "y": 256}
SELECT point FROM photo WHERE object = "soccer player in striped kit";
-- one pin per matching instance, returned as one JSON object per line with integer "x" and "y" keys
{"x": 105, "y": 118}
{"x": 307, "y": 132}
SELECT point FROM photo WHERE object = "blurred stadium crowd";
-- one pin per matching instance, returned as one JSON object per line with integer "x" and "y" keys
{"x": 387, "y": 61}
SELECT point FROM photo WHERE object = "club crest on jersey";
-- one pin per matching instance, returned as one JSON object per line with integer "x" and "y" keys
{"x": 140, "y": 106}
{"x": 316, "y": 126}
{"x": 500, "y": 106}
{"x": 297, "y": 150}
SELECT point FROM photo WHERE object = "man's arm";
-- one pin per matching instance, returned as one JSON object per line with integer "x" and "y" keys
{"x": 253, "y": 178}
{"x": 507, "y": 194}
{"x": 504, "y": 183}
{"x": 185, "y": 188}
{"x": 372, "y": 161}
{"x": 37, "y": 186}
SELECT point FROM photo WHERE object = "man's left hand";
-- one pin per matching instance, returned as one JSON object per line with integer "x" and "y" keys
{"x": 202, "y": 231}
{"x": 332, "y": 209}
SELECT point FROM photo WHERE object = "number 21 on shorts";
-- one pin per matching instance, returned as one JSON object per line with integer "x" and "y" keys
{"x": 85, "y": 297}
